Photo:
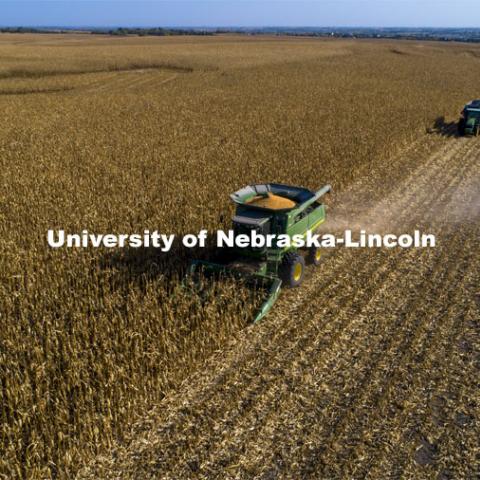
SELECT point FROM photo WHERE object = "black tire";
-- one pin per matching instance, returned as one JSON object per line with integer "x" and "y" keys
{"x": 314, "y": 256}
{"x": 292, "y": 269}
{"x": 461, "y": 127}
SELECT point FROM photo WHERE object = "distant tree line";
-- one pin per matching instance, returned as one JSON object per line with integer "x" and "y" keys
{"x": 116, "y": 31}
{"x": 32, "y": 30}
{"x": 445, "y": 34}
{"x": 436, "y": 38}
{"x": 142, "y": 32}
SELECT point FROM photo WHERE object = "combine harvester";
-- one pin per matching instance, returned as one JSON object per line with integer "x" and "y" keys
{"x": 469, "y": 124}
{"x": 270, "y": 209}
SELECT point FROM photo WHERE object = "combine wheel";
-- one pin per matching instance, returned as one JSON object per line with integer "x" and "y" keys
{"x": 314, "y": 256}
{"x": 461, "y": 127}
{"x": 292, "y": 269}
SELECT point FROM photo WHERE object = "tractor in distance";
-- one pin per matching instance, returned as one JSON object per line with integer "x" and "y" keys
{"x": 270, "y": 209}
{"x": 469, "y": 123}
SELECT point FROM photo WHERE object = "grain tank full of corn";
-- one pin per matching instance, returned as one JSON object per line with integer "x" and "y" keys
{"x": 271, "y": 209}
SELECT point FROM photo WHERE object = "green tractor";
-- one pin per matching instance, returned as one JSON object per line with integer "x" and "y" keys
{"x": 469, "y": 123}
{"x": 270, "y": 209}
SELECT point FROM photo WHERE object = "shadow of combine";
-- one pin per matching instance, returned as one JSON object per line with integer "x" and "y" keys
{"x": 129, "y": 272}
{"x": 443, "y": 128}
{"x": 142, "y": 265}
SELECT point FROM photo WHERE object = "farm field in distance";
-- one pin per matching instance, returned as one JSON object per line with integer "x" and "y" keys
{"x": 109, "y": 369}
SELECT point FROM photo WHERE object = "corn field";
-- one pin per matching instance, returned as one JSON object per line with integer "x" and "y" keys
{"x": 103, "y": 350}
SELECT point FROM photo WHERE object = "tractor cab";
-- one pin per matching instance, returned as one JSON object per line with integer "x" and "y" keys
{"x": 469, "y": 123}
{"x": 251, "y": 220}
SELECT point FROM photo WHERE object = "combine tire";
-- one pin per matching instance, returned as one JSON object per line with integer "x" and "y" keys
{"x": 314, "y": 256}
{"x": 292, "y": 269}
{"x": 461, "y": 127}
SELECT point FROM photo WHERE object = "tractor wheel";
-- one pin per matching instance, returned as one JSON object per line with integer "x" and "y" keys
{"x": 292, "y": 269}
{"x": 314, "y": 256}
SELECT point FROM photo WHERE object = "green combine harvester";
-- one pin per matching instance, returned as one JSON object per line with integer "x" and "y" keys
{"x": 469, "y": 123}
{"x": 270, "y": 209}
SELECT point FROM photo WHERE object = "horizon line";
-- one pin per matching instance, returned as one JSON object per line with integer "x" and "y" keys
{"x": 243, "y": 27}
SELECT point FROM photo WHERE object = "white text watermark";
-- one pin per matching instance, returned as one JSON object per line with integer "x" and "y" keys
{"x": 164, "y": 242}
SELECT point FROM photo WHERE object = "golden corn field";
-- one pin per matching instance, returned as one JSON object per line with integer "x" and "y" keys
{"x": 109, "y": 369}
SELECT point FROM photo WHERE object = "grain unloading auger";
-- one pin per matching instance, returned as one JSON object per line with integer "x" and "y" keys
{"x": 270, "y": 209}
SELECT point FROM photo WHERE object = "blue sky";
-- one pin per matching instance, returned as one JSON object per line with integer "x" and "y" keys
{"x": 368, "y": 13}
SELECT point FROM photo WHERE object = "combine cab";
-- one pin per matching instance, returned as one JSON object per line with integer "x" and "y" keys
{"x": 270, "y": 209}
{"x": 469, "y": 123}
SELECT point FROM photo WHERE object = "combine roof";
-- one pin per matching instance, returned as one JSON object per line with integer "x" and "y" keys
{"x": 474, "y": 104}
